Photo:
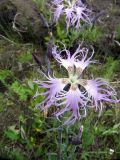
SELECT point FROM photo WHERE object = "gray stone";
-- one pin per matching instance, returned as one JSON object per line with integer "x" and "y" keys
{"x": 24, "y": 17}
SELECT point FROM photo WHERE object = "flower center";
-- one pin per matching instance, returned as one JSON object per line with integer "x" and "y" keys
{"x": 73, "y": 83}
{"x": 73, "y": 79}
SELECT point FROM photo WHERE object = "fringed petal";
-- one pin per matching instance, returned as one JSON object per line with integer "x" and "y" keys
{"x": 100, "y": 91}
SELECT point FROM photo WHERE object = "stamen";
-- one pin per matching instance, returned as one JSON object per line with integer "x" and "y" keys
{"x": 79, "y": 71}
{"x": 70, "y": 70}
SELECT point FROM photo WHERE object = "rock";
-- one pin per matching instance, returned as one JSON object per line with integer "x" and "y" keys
{"x": 108, "y": 22}
{"x": 24, "y": 17}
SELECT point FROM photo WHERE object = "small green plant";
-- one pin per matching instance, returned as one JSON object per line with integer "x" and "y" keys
{"x": 12, "y": 133}
{"x": 91, "y": 34}
{"x": 21, "y": 90}
{"x": 113, "y": 130}
{"x": 4, "y": 74}
{"x": 107, "y": 70}
{"x": 110, "y": 67}
{"x": 61, "y": 34}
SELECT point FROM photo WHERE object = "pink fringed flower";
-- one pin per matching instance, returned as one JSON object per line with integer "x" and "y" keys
{"x": 74, "y": 94}
{"x": 100, "y": 91}
{"x": 53, "y": 86}
{"x": 74, "y": 11}
{"x": 78, "y": 59}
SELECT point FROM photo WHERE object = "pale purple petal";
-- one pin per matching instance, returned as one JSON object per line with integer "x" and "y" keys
{"x": 68, "y": 62}
{"x": 69, "y": 16}
{"x": 74, "y": 100}
{"x": 58, "y": 12}
{"x": 81, "y": 14}
{"x": 100, "y": 91}
{"x": 79, "y": 59}
{"x": 82, "y": 60}
{"x": 56, "y": 2}
{"x": 53, "y": 86}
{"x": 74, "y": 11}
